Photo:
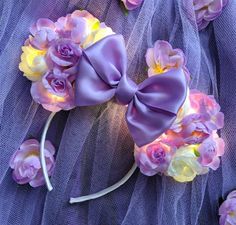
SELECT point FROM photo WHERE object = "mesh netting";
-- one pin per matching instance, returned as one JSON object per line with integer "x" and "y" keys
{"x": 94, "y": 146}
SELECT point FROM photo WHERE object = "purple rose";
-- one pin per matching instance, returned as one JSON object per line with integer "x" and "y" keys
{"x": 194, "y": 130}
{"x": 54, "y": 91}
{"x": 43, "y": 32}
{"x": 210, "y": 150}
{"x": 153, "y": 158}
{"x": 25, "y": 163}
{"x": 227, "y": 210}
{"x": 207, "y": 10}
{"x": 76, "y": 26}
{"x": 132, "y": 4}
{"x": 64, "y": 54}
{"x": 172, "y": 138}
{"x": 202, "y": 119}
{"x": 162, "y": 58}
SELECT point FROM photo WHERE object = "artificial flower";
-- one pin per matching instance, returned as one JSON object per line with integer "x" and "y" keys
{"x": 194, "y": 131}
{"x": 55, "y": 91}
{"x": 132, "y": 4}
{"x": 227, "y": 210}
{"x": 172, "y": 138}
{"x": 77, "y": 26}
{"x": 25, "y": 162}
{"x": 43, "y": 33}
{"x": 210, "y": 150}
{"x": 207, "y": 106}
{"x": 184, "y": 166}
{"x": 202, "y": 117}
{"x": 64, "y": 54}
{"x": 162, "y": 58}
{"x": 33, "y": 63}
{"x": 97, "y": 35}
{"x": 207, "y": 10}
{"x": 153, "y": 158}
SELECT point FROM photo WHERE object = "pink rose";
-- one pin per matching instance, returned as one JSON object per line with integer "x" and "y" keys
{"x": 132, "y": 4}
{"x": 25, "y": 163}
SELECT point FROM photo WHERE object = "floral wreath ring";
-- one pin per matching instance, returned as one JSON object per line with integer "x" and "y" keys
{"x": 78, "y": 61}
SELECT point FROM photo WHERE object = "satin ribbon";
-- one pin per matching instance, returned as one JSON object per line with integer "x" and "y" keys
{"x": 152, "y": 104}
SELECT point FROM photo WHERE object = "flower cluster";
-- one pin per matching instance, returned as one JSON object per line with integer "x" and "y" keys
{"x": 227, "y": 210}
{"x": 26, "y": 165}
{"x": 132, "y": 4}
{"x": 51, "y": 55}
{"x": 207, "y": 10}
{"x": 191, "y": 146}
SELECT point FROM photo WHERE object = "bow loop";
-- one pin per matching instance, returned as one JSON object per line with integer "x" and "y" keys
{"x": 155, "y": 105}
{"x": 100, "y": 70}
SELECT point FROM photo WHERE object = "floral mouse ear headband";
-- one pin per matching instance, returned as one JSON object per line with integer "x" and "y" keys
{"x": 78, "y": 61}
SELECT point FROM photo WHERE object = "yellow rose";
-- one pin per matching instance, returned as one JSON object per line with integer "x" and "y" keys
{"x": 97, "y": 34}
{"x": 33, "y": 63}
{"x": 92, "y": 22}
{"x": 184, "y": 166}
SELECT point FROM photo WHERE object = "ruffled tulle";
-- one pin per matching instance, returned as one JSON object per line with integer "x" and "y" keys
{"x": 94, "y": 146}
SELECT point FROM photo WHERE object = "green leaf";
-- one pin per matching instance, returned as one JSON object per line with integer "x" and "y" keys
{"x": 197, "y": 153}
{"x": 125, "y": 11}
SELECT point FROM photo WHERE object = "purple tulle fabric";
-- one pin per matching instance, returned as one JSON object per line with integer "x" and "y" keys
{"x": 94, "y": 146}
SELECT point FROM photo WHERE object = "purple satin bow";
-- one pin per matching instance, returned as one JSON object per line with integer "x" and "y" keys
{"x": 152, "y": 105}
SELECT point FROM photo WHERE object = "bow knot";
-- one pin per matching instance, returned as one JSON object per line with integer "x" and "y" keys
{"x": 125, "y": 91}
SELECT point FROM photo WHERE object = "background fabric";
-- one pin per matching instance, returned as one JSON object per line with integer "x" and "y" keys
{"x": 94, "y": 146}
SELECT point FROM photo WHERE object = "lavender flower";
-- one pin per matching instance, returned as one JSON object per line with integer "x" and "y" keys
{"x": 210, "y": 150}
{"x": 205, "y": 117}
{"x": 26, "y": 165}
{"x": 207, "y": 10}
{"x": 153, "y": 158}
{"x": 194, "y": 131}
{"x": 54, "y": 91}
{"x": 43, "y": 32}
{"x": 207, "y": 106}
{"x": 227, "y": 210}
{"x": 77, "y": 26}
{"x": 162, "y": 58}
{"x": 64, "y": 54}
